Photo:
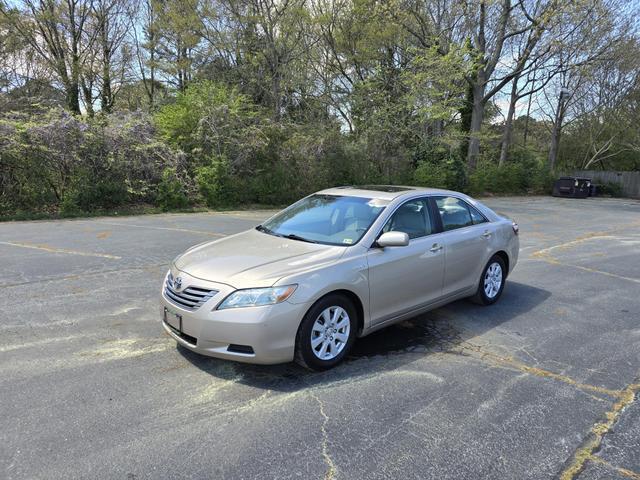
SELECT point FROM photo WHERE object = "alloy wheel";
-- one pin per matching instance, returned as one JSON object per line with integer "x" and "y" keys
{"x": 330, "y": 332}
{"x": 493, "y": 280}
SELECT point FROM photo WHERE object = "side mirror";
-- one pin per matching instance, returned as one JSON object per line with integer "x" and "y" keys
{"x": 393, "y": 239}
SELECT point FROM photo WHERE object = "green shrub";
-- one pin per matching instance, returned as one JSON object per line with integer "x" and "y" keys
{"x": 438, "y": 166}
{"x": 207, "y": 119}
{"x": 57, "y": 161}
{"x": 215, "y": 183}
{"x": 612, "y": 189}
{"x": 541, "y": 181}
{"x": 512, "y": 178}
{"x": 89, "y": 192}
{"x": 171, "y": 192}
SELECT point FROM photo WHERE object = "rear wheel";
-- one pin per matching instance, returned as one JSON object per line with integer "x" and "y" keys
{"x": 491, "y": 282}
{"x": 326, "y": 333}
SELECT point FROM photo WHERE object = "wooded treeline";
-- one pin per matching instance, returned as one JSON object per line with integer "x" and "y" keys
{"x": 223, "y": 102}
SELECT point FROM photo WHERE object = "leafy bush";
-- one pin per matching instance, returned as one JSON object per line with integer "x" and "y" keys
{"x": 215, "y": 185}
{"x": 57, "y": 161}
{"x": 612, "y": 189}
{"x": 439, "y": 167}
{"x": 88, "y": 193}
{"x": 215, "y": 145}
{"x": 512, "y": 178}
{"x": 171, "y": 191}
{"x": 211, "y": 118}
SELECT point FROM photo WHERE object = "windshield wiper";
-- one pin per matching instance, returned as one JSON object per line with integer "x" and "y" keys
{"x": 293, "y": 236}
{"x": 264, "y": 229}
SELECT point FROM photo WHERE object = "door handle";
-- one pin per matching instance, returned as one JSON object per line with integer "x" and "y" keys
{"x": 486, "y": 234}
{"x": 436, "y": 247}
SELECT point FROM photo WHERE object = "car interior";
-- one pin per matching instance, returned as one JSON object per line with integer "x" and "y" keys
{"x": 411, "y": 218}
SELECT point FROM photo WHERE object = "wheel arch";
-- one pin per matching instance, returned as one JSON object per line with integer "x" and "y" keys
{"x": 505, "y": 258}
{"x": 354, "y": 298}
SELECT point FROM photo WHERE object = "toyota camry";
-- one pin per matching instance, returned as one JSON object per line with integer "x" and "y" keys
{"x": 334, "y": 266}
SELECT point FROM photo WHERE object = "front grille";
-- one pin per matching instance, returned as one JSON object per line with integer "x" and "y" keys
{"x": 190, "y": 298}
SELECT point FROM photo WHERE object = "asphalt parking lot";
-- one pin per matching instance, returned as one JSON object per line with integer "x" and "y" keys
{"x": 543, "y": 384}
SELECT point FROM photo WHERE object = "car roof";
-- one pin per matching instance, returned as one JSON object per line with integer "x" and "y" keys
{"x": 384, "y": 192}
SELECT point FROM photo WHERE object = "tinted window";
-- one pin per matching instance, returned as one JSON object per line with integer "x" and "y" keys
{"x": 411, "y": 218}
{"x": 454, "y": 213}
{"x": 330, "y": 219}
{"x": 476, "y": 216}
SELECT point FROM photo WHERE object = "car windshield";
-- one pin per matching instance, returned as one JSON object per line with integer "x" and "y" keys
{"x": 328, "y": 219}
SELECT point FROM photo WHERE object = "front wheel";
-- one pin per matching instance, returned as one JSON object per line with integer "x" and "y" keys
{"x": 326, "y": 333}
{"x": 491, "y": 282}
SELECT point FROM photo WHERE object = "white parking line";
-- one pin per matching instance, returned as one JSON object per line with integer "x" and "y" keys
{"x": 46, "y": 248}
{"x": 38, "y": 343}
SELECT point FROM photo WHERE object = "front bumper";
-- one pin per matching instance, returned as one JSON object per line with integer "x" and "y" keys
{"x": 269, "y": 330}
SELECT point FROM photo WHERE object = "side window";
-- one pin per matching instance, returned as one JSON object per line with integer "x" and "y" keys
{"x": 476, "y": 216}
{"x": 412, "y": 218}
{"x": 454, "y": 213}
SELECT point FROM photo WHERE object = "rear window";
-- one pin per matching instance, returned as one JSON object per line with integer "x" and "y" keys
{"x": 456, "y": 213}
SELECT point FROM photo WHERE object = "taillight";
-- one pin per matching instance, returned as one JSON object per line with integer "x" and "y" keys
{"x": 515, "y": 227}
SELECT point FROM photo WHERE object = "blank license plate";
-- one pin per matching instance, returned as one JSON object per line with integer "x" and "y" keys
{"x": 173, "y": 319}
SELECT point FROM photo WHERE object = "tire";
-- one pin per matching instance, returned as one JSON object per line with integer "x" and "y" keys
{"x": 342, "y": 324}
{"x": 488, "y": 291}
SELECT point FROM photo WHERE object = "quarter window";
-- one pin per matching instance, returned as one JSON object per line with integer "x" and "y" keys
{"x": 454, "y": 213}
{"x": 411, "y": 218}
{"x": 476, "y": 216}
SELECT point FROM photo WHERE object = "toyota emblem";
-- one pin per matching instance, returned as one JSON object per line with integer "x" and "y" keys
{"x": 177, "y": 283}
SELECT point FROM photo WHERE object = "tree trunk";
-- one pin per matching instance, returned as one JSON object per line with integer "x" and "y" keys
{"x": 106, "y": 94}
{"x": 87, "y": 92}
{"x": 526, "y": 120}
{"x": 477, "y": 115}
{"x": 72, "y": 97}
{"x": 508, "y": 125}
{"x": 277, "y": 96}
{"x": 555, "y": 134}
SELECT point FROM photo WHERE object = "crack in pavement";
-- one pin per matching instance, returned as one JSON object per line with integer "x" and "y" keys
{"x": 476, "y": 351}
{"x": 331, "y": 467}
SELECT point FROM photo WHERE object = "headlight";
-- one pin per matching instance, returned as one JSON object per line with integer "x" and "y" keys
{"x": 255, "y": 297}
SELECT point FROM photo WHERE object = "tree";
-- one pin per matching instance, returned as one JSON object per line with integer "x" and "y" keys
{"x": 177, "y": 36}
{"x": 491, "y": 25}
{"x": 109, "y": 25}
{"x": 588, "y": 35}
{"x": 56, "y": 31}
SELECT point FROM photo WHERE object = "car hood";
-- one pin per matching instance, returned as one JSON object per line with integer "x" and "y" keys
{"x": 254, "y": 259}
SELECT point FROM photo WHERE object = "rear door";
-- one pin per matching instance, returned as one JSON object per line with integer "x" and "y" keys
{"x": 402, "y": 279}
{"x": 466, "y": 236}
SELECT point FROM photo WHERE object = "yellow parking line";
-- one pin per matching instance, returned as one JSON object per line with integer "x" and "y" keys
{"x": 602, "y": 272}
{"x": 562, "y": 246}
{"x": 202, "y": 232}
{"x": 598, "y": 431}
{"x": 622, "y": 471}
{"x": 46, "y": 248}
{"x": 554, "y": 261}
